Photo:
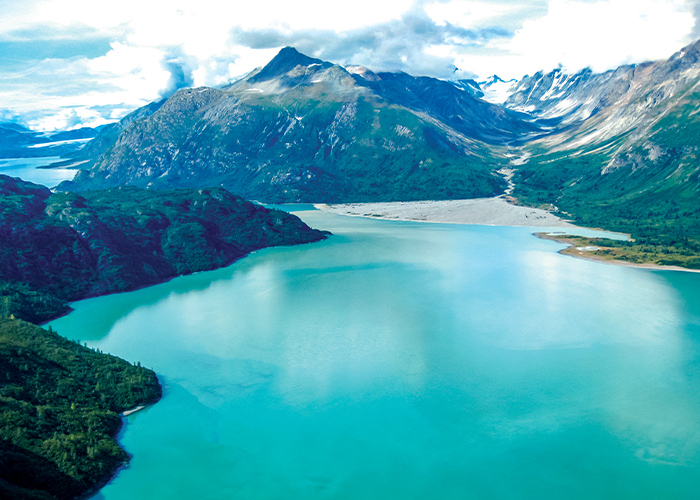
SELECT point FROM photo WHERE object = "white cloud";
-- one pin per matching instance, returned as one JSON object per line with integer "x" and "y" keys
{"x": 156, "y": 44}
{"x": 602, "y": 34}
{"x": 476, "y": 14}
{"x": 135, "y": 70}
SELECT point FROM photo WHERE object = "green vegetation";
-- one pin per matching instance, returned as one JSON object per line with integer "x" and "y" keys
{"x": 59, "y": 402}
{"x": 59, "y": 406}
{"x": 628, "y": 251}
{"x": 331, "y": 141}
{"x": 651, "y": 192}
{"x": 56, "y": 248}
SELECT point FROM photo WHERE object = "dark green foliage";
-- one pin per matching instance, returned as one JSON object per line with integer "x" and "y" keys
{"x": 654, "y": 198}
{"x": 60, "y": 247}
{"x": 20, "y": 301}
{"x": 59, "y": 405}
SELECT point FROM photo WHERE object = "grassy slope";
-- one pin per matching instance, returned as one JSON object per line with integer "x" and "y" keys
{"x": 630, "y": 252}
{"x": 347, "y": 146}
{"x": 652, "y": 193}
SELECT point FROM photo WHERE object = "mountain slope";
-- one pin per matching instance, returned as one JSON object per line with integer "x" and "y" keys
{"x": 301, "y": 129}
{"x": 623, "y": 152}
{"x": 61, "y": 247}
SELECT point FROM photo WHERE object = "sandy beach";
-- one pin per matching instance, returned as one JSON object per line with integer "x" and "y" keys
{"x": 485, "y": 211}
{"x": 132, "y": 411}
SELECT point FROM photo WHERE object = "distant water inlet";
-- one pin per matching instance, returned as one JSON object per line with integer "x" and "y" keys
{"x": 30, "y": 169}
{"x": 413, "y": 361}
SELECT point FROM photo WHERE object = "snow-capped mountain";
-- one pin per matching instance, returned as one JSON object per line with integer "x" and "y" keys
{"x": 623, "y": 144}
{"x": 614, "y": 145}
{"x": 497, "y": 90}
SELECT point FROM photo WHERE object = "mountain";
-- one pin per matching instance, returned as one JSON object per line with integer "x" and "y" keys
{"x": 623, "y": 146}
{"x": 17, "y": 141}
{"x": 496, "y": 90}
{"x": 301, "y": 129}
{"x": 106, "y": 136}
{"x": 616, "y": 149}
{"x": 470, "y": 86}
{"x": 60, "y": 247}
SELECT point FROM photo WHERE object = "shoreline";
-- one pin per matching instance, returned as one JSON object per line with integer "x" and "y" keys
{"x": 112, "y": 475}
{"x": 495, "y": 211}
{"x": 587, "y": 254}
{"x": 126, "y": 413}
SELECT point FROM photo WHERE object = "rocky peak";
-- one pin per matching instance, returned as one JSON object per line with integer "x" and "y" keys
{"x": 363, "y": 73}
{"x": 285, "y": 61}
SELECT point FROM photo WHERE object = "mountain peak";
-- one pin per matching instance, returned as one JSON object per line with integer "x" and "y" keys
{"x": 286, "y": 60}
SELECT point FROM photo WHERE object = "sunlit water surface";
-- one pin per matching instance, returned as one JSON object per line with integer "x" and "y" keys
{"x": 412, "y": 361}
{"x": 28, "y": 170}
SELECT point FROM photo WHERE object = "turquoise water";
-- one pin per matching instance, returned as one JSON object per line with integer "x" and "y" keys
{"x": 413, "y": 361}
{"x": 27, "y": 169}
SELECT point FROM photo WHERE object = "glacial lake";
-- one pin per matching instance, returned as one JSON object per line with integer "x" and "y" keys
{"x": 410, "y": 361}
{"x": 28, "y": 170}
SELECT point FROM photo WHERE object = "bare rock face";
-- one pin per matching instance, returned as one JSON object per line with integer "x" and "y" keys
{"x": 623, "y": 146}
{"x": 302, "y": 129}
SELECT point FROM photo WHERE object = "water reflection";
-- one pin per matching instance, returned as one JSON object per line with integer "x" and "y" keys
{"x": 411, "y": 360}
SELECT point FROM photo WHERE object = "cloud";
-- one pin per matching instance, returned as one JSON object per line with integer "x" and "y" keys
{"x": 401, "y": 44}
{"x": 102, "y": 60}
{"x": 180, "y": 75}
{"x": 695, "y": 6}
{"x": 603, "y": 34}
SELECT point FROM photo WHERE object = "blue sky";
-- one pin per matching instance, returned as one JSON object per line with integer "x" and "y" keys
{"x": 67, "y": 63}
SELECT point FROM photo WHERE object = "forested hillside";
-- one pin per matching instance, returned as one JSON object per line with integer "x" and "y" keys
{"x": 59, "y": 406}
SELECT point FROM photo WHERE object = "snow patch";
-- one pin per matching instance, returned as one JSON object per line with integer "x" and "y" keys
{"x": 497, "y": 91}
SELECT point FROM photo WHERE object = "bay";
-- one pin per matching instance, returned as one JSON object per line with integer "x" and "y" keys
{"x": 28, "y": 169}
{"x": 409, "y": 360}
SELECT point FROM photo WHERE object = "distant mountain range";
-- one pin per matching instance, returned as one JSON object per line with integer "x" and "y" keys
{"x": 17, "y": 141}
{"x": 623, "y": 147}
{"x": 617, "y": 149}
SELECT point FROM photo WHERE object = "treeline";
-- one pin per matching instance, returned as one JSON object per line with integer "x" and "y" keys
{"x": 59, "y": 402}
{"x": 646, "y": 200}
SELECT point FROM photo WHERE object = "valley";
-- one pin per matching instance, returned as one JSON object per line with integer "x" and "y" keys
{"x": 461, "y": 355}
{"x": 615, "y": 150}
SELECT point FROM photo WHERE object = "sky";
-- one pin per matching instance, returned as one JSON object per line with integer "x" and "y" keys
{"x": 71, "y": 63}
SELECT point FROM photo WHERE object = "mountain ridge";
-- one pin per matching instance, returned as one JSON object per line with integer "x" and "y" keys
{"x": 595, "y": 146}
{"x": 303, "y": 130}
